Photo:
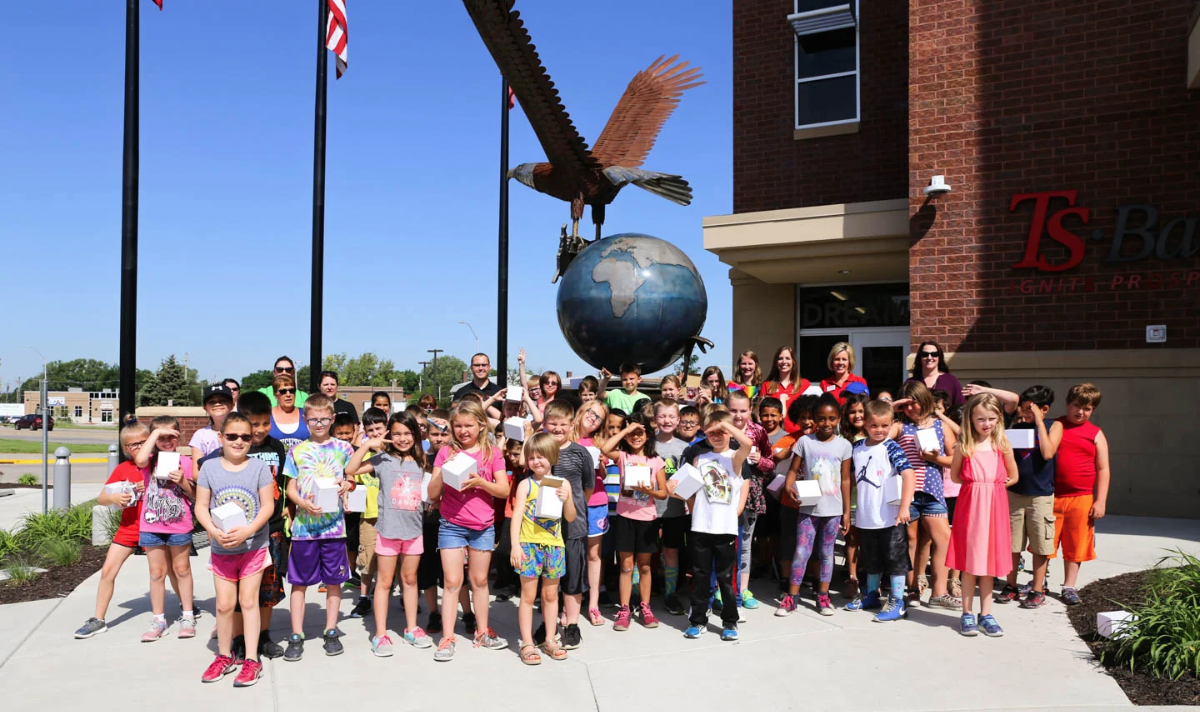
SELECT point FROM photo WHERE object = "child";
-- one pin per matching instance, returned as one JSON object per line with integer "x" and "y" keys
{"x": 882, "y": 525}
{"x": 941, "y": 400}
{"x": 673, "y": 521}
{"x": 239, "y": 554}
{"x": 166, "y": 526}
{"x": 589, "y": 422}
{"x": 760, "y": 467}
{"x": 318, "y": 553}
{"x": 507, "y": 581}
{"x": 634, "y": 528}
{"x": 538, "y": 551}
{"x": 346, "y": 430}
{"x": 1081, "y": 478}
{"x": 713, "y": 387}
{"x": 941, "y": 408}
{"x": 800, "y": 413}
{"x": 689, "y": 425}
{"x": 1031, "y": 499}
{"x": 468, "y": 520}
{"x": 624, "y": 400}
{"x": 980, "y": 543}
{"x": 825, "y": 457}
{"x": 747, "y": 375}
{"x": 852, "y": 427}
{"x": 218, "y": 403}
{"x": 398, "y": 468}
{"x": 670, "y": 388}
{"x": 589, "y": 389}
{"x": 375, "y": 427}
{"x": 427, "y": 403}
{"x": 382, "y": 401}
{"x": 715, "y": 511}
{"x": 125, "y": 540}
{"x": 429, "y": 572}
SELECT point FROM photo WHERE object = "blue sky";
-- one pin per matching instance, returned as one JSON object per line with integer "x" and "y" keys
{"x": 226, "y": 177}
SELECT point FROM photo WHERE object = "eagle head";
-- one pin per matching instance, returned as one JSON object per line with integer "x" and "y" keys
{"x": 524, "y": 174}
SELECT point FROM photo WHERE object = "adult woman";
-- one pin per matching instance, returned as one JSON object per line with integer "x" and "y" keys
{"x": 930, "y": 368}
{"x": 784, "y": 383}
{"x": 287, "y": 421}
{"x": 551, "y": 383}
{"x": 427, "y": 403}
{"x": 841, "y": 376}
{"x": 747, "y": 375}
{"x": 712, "y": 387}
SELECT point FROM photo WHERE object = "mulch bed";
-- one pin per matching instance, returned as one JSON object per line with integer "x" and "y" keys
{"x": 14, "y": 485}
{"x": 1141, "y": 688}
{"x": 57, "y": 581}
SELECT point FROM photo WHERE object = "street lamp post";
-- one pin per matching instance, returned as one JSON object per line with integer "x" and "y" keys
{"x": 45, "y": 435}
{"x": 472, "y": 334}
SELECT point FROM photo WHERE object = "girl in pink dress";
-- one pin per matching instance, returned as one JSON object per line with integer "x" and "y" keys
{"x": 980, "y": 542}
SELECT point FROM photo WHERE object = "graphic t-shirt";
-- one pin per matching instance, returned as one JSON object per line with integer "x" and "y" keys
{"x": 241, "y": 488}
{"x": 309, "y": 463}
{"x": 271, "y": 452}
{"x": 399, "y": 499}
{"x": 671, "y": 453}
{"x": 473, "y": 509}
{"x": 822, "y": 461}
{"x": 535, "y": 530}
{"x": 715, "y": 505}
{"x": 637, "y": 505}
{"x": 204, "y": 440}
{"x": 165, "y": 508}
{"x": 127, "y": 532}
{"x": 290, "y": 435}
{"x": 872, "y": 465}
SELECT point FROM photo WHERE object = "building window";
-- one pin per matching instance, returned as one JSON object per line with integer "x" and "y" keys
{"x": 78, "y": 411}
{"x": 826, "y": 63}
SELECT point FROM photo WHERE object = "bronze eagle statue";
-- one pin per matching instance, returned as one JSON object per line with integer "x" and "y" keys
{"x": 573, "y": 172}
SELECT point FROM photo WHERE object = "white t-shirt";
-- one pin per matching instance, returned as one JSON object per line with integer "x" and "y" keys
{"x": 872, "y": 464}
{"x": 715, "y": 510}
{"x": 822, "y": 461}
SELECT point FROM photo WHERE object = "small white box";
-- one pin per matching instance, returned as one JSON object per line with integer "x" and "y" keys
{"x": 927, "y": 439}
{"x": 116, "y": 489}
{"x": 425, "y": 487}
{"x": 1111, "y": 624}
{"x": 549, "y": 506}
{"x": 356, "y": 499}
{"x": 228, "y": 516}
{"x": 1020, "y": 438}
{"x": 167, "y": 463}
{"x": 808, "y": 492}
{"x": 457, "y": 469}
{"x": 637, "y": 476}
{"x": 326, "y": 495}
{"x": 595, "y": 453}
{"x": 893, "y": 489}
{"x": 689, "y": 480}
{"x": 515, "y": 394}
{"x": 776, "y": 486}
{"x": 514, "y": 429}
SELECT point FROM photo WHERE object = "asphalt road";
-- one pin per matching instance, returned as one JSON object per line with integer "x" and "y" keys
{"x": 62, "y": 435}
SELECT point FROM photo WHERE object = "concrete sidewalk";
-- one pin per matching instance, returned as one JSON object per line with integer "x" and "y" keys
{"x": 24, "y": 501}
{"x": 804, "y": 661}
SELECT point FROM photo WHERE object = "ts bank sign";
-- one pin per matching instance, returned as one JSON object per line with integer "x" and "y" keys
{"x": 1136, "y": 225}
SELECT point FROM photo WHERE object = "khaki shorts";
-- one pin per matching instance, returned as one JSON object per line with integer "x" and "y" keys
{"x": 1032, "y": 519}
{"x": 366, "y": 547}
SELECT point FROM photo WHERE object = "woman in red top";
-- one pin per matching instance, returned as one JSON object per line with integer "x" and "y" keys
{"x": 841, "y": 365}
{"x": 784, "y": 383}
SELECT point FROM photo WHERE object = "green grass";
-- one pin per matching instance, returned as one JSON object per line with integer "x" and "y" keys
{"x": 8, "y": 544}
{"x": 21, "y": 573}
{"x": 12, "y": 446}
{"x": 60, "y": 552}
{"x": 29, "y": 479}
{"x": 75, "y": 524}
{"x": 1164, "y": 638}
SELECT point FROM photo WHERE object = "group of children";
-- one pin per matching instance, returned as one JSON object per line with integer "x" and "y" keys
{"x": 444, "y": 489}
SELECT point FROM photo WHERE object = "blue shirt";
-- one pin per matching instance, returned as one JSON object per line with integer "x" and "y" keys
{"x": 1036, "y": 473}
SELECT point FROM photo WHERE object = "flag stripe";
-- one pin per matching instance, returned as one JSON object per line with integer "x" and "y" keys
{"x": 336, "y": 33}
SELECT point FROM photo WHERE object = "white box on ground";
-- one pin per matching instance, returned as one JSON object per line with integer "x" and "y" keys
{"x": 1021, "y": 439}
{"x": 928, "y": 440}
{"x": 457, "y": 469}
{"x": 549, "y": 506}
{"x": 1111, "y": 623}
{"x": 689, "y": 480}
{"x": 776, "y": 486}
{"x": 167, "y": 463}
{"x": 516, "y": 394}
{"x": 228, "y": 516}
{"x": 514, "y": 429}
{"x": 808, "y": 492}
{"x": 326, "y": 498}
{"x": 595, "y": 453}
{"x": 637, "y": 476}
{"x": 356, "y": 499}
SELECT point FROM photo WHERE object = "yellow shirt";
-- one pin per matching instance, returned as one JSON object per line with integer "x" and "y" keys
{"x": 371, "y": 480}
{"x": 535, "y": 530}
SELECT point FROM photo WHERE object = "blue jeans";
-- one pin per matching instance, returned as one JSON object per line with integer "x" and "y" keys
{"x": 926, "y": 505}
{"x": 147, "y": 540}
{"x": 454, "y": 536}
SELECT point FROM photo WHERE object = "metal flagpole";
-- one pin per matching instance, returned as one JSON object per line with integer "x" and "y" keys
{"x": 318, "y": 222}
{"x": 129, "y": 218}
{"x": 502, "y": 251}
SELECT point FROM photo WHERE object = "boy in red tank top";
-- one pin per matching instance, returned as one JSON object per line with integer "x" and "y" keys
{"x": 1080, "y": 485}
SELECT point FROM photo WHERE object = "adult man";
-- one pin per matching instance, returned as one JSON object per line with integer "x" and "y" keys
{"x": 481, "y": 366}
{"x": 284, "y": 366}
{"x": 235, "y": 389}
{"x": 329, "y": 386}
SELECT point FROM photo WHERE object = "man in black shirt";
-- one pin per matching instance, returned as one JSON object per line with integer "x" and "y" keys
{"x": 481, "y": 366}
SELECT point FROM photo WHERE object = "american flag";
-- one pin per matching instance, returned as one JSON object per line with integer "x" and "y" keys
{"x": 335, "y": 33}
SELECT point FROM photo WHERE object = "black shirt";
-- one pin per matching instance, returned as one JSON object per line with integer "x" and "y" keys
{"x": 576, "y": 467}
{"x": 486, "y": 392}
{"x": 341, "y": 405}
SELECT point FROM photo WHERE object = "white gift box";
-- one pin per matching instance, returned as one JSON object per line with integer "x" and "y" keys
{"x": 595, "y": 453}
{"x": 548, "y": 505}
{"x": 326, "y": 498}
{"x": 514, "y": 429}
{"x": 356, "y": 499}
{"x": 1021, "y": 439}
{"x": 1111, "y": 624}
{"x": 927, "y": 439}
{"x": 893, "y": 489}
{"x": 808, "y": 492}
{"x": 515, "y": 394}
{"x": 637, "y": 476}
{"x": 228, "y": 516}
{"x": 457, "y": 469}
{"x": 689, "y": 480}
{"x": 425, "y": 487}
{"x": 775, "y": 489}
{"x": 167, "y": 463}
{"x": 116, "y": 489}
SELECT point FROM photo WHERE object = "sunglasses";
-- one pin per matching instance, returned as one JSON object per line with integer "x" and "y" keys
{"x": 286, "y": 391}
{"x": 550, "y": 383}
{"x": 285, "y": 369}
{"x": 234, "y": 437}
{"x": 930, "y": 354}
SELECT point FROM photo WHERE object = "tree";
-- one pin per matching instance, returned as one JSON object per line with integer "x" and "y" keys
{"x": 170, "y": 386}
{"x": 693, "y": 367}
{"x": 256, "y": 380}
{"x": 86, "y": 373}
{"x": 408, "y": 379}
{"x": 447, "y": 373}
{"x": 364, "y": 370}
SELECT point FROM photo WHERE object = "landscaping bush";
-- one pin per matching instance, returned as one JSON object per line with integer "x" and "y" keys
{"x": 8, "y": 544}
{"x": 21, "y": 573}
{"x": 29, "y": 479}
{"x": 74, "y": 524}
{"x": 60, "y": 552}
{"x": 1164, "y": 637}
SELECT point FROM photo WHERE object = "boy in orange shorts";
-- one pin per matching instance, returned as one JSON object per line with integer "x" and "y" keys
{"x": 1080, "y": 485}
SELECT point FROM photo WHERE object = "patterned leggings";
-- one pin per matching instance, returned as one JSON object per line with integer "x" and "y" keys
{"x": 809, "y": 530}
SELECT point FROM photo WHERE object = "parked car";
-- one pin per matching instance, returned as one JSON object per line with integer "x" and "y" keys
{"x": 33, "y": 421}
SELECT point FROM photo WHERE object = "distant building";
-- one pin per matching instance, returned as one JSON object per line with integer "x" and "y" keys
{"x": 77, "y": 404}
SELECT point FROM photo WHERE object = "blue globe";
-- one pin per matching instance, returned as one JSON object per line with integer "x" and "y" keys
{"x": 631, "y": 298}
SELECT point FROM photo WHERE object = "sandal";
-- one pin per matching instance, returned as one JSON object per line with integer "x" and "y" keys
{"x": 594, "y": 617}
{"x": 532, "y": 657}
{"x": 955, "y": 587}
{"x": 554, "y": 650}
{"x": 922, "y": 584}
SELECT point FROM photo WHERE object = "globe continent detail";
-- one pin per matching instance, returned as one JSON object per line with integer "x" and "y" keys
{"x": 631, "y": 298}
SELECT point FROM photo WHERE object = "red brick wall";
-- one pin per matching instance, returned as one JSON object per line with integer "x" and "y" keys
{"x": 771, "y": 169}
{"x": 1010, "y": 97}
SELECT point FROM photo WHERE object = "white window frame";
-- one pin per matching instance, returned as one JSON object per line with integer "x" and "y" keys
{"x": 857, "y": 79}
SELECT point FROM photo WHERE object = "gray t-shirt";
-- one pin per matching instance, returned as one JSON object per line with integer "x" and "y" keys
{"x": 575, "y": 466}
{"x": 242, "y": 488}
{"x": 400, "y": 507}
{"x": 672, "y": 455}
{"x": 822, "y": 461}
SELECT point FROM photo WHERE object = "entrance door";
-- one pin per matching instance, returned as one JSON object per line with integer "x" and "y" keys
{"x": 879, "y": 352}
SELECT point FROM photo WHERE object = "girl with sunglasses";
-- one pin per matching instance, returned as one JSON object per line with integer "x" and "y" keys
{"x": 930, "y": 368}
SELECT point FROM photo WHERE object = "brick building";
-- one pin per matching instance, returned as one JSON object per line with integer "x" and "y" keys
{"x": 1069, "y": 134}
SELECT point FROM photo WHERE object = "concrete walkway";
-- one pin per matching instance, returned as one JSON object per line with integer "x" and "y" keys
{"x": 23, "y": 501}
{"x": 802, "y": 662}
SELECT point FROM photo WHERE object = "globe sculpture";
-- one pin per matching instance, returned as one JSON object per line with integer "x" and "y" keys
{"x": 631, "y": 298}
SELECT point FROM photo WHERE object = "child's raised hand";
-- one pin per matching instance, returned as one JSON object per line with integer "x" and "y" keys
{"x": 899, "y": 403}
{"x": 605, "y": 373}
{"x": 564, "y": 492}
{"x": 375, "y": 443}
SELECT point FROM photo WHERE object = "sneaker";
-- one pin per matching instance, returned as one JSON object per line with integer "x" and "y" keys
{"x": 1069, "y": 596}
{"x": 622, "y": 619}
{"x": 158, "y": 629}
{"x": 221, "y": 666}
{"x": 445, "y": 651}
{"x": 1008, "y": 595}
{"x": 869, "y": 602}
{"x": 295, "y": 648}
{"x": 488, "y": 639}
{"x": 353, "y": 582}
{"x": 990, "y": 627}
{"x": 748, "y": 600}
{"x": 967, "y": 627}
{"x": 94, "y": 626}
{"x": 332, "y": 645}
{"x": 187, "y": 628}
{"x": 268, "y": 648}
{"x": 381, "y": 646}
{"x": 729, "y": 634}
{"x": 894, "y": 611}
{"x": 321, "y": 589}
{"x": 693, "y": 632}
{"x": 824, "y": 607}
{"x": 948, "y": 602}
{"x": 362, "y": 608}
{"x": 470, "y": 624}
{"x": 435, "y": 621}
{"x": 418, "y": 638}
{"x": 673, "y": 605}
{"x": 251, "y": 671}
{"x": 647, "y": 615}
{"x": 1034, "y": 599}
{"x": 786, "y": 607}
{"x": 238, "y": 649}
{"x": 571, "y": 636}
{"x": 1020, "y": 564}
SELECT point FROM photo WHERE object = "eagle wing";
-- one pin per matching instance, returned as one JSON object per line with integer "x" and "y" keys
{"x": 506, "y": 38}
{"x": 647, "y": 103}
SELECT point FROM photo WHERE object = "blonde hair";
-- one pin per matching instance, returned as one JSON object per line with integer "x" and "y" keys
{"x": 737, "y": 369}
{"x": 837, "y": 349}
{"x": 967, "y": 442}
{"x": 470, "y": 409}
{"x": 717, "y": 416}
{"x": 577, "y": 426}
{"x": 281, "y": 381}
{"x": 542, "y": 444}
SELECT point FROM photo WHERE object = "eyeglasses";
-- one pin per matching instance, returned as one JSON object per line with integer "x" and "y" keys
{"x": 135, "y": 446}
{"x": 319, "y": 422}
{"x": 929, "y": 354}
{"x": 285, "y": 369}
{"x": 234, "y": 437}
{"x": 592, "y": 416}
{"x": 286, "y": 391}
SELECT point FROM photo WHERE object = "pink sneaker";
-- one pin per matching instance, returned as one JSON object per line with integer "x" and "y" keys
{"x": 221, "y": 666}
{"x": 251, "y": 671}
{"x": 647, "y": 615}
{"x": 187, "y": 628}
{"x": 622, "y": 619}
{"x": 824, "y": 606}
{"x": 158, "y": 629}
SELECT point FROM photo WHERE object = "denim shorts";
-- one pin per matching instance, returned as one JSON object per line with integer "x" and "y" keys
{"x": 147, "y": 540}
{"x": 926, "y": 505}
{"x": 454, "y": 536}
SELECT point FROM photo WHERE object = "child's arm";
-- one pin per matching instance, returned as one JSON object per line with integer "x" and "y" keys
{"x": 142, "y": 457}
{"x": 742, "y": 497}
{"x": 659, "y": 488}
{"x": 498, "y": 489}
{"x": 356, "y": 466}
{"x": 906, "y": 495}
{"x": 609, "y": 446}
{"x": 1103, "y": 476}
{"x": 534, "y": 410}
{"x": 564, "y": 493}
{"x": 203, "y": 501}
{"x": 1007, "y": 398}
{"x": 739, "y": 455}
{"x": 1010, "y": 463}
{"x": 293, "y": 494}
{"x": 435, "y": 484}
{"x": 789, "y": 483}
{"x": 949, "y": 423}
{"x": 605, "y": 375}
{"x": 1048, "y": 439}
{"x": 518, "y": 512}
{"x": 956, "y": 468}
{"x": 765, "y": 464}
{"x": 951, "y": 442}
{"x": 846, "y": 480}
{"x": 521, "y": 370}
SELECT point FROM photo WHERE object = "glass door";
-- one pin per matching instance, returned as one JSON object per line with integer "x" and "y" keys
{"x": 881, "y": 355}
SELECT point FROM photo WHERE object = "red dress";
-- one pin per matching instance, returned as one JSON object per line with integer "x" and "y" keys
{"x": 980, "y": 540}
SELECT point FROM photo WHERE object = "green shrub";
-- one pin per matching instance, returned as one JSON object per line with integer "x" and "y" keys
{"x": 75, "y": 523}
{"x": 29, "y": 479}
{"x": 1164, "y": 637}
{"x": 8, "y": 544}
{"x": 112, "y": 522}
{"x": 21, "y": 573}
{"x": 60, "y": 552}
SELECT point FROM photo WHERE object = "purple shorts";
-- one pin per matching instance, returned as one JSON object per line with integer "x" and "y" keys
{"x": 313, "y": 561}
